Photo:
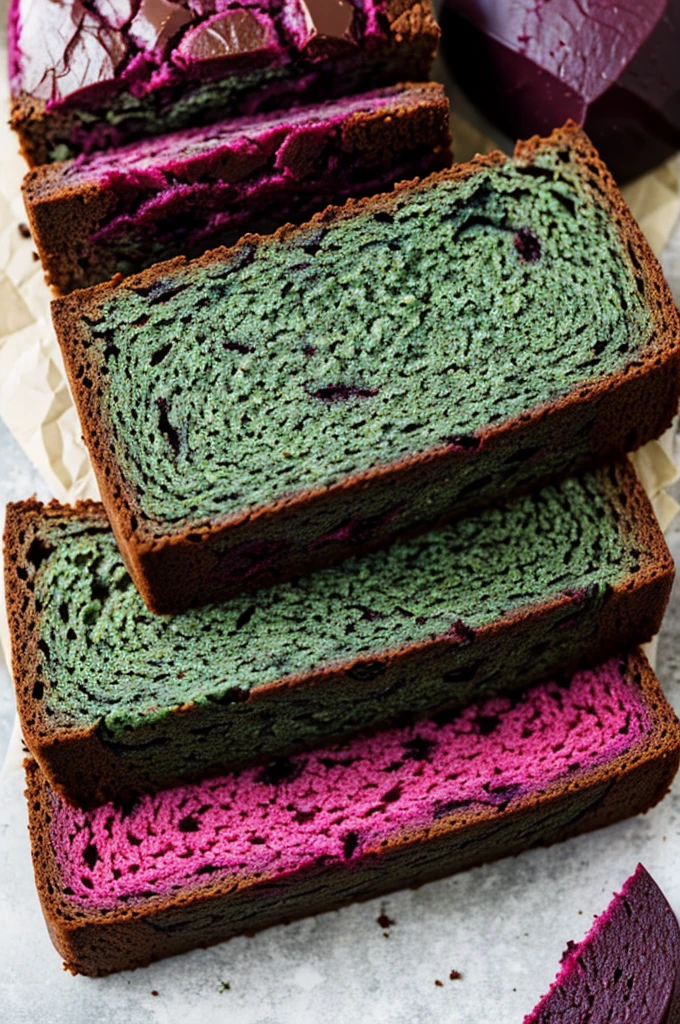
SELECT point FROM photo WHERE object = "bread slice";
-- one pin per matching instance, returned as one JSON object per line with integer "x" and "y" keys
{"x": 120, "y": 211}
{"x": 263, "y": 410}
{"x": 122, "y": 886}
{"x": 114, "y": 700}
{"x": 626, "y": 968}
{"x": 615, "y": 71}
{"x": 92, "y": 76}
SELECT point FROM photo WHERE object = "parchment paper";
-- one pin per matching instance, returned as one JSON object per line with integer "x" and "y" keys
{"x": 503, "y": 926}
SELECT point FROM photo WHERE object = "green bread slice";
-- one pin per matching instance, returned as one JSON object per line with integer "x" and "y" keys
{"x": 114, "y": 699}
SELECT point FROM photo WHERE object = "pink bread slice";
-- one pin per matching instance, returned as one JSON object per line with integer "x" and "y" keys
{"x": 124, "y": 885}
{"x": 627, "y": 969}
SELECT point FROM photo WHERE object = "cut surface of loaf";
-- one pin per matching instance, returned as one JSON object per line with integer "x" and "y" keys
{"x": 265, "y": 409}
{"x": 90, "y": 75}
{"x": 114, "y": 700}
{"x": 121, "y": 211}
{"x": 121, "y": 886}
{"x": 626, "y": 969}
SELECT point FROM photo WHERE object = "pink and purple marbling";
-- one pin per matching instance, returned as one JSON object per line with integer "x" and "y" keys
{"x": 183, "y": 193}
{"x": 187, "y": 155}
{"x": 335, "y": 804}
{"x": 63, "y": 51}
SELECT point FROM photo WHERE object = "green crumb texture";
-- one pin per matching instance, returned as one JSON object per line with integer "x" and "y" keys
{"x": 231, "y": 385}
{"x": 106, "y": 659}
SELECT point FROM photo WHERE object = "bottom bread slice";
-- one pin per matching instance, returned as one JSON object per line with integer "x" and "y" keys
{"x": 124, "y": 885}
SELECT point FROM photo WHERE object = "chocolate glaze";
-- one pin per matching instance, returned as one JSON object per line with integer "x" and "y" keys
{"x": 327, "y": 26}
{"x": 232, "y": 34}
{"x": 115, "y": 13}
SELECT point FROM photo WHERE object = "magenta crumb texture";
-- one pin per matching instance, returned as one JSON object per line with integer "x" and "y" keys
{"x": 626, "y": 970}
{"x": 336, "y": 804}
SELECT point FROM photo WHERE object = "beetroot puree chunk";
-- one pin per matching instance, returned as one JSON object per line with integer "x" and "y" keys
{"x": 610, "y": 65}
{"x": 335, "y": 806}
{"x": 627, "y": 969}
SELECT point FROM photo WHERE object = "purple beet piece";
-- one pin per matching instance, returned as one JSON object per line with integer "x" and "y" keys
{"x": 626, "y": 970}
{"x": 236, "y": 38}
{"x": 610, "y": 65}
{"x": 156, "y": 23}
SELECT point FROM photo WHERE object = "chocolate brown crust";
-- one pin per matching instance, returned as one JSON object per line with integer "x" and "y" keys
{"x": 177, "y": 568}
{"x": 408, "y": 51}
{"x": 100, "y": 942}
{"x": 63, "y": 218}
{"x": 86, "y": 768}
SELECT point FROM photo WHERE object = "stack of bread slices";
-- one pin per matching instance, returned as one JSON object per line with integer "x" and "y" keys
{"x": 363, "y": 600}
